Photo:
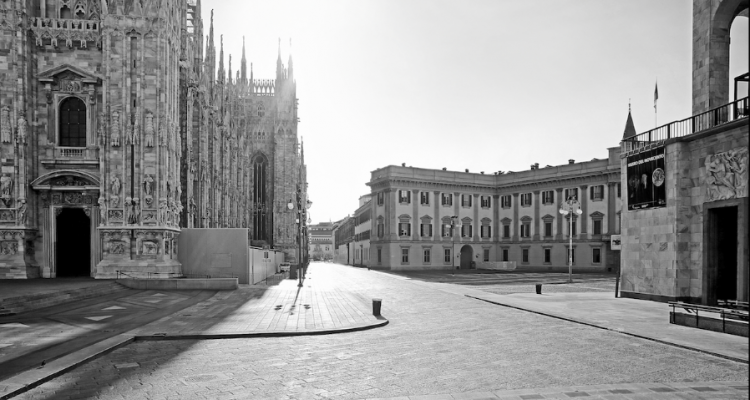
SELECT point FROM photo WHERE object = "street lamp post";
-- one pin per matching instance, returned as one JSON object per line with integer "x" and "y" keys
{"x": 454, "y": 223}
{"x": 570, "y": 206}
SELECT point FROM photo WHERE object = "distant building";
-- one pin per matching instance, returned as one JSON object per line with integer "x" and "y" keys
{"x": 362, "y": 227}
{"x": 343, "y": 239}
{"x": 685, "y": 218}
{"x": 321, "y": 241}
{"x": 500, "y": 217}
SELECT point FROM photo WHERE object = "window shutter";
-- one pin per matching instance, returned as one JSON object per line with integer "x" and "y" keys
{"x": 591, "y": 193}
{"x": 430, "y": 229}
{"x": 470, "y": 230}
{"x": 489, "y": 201}
{"x": 408, "y": 196}
{"x": 551, "y": 196}
{"x": 489, "y": 231}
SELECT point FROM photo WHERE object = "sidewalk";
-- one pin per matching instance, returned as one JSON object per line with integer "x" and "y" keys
{"x": 640, "y": 318}
{"x": 42, "y": 344}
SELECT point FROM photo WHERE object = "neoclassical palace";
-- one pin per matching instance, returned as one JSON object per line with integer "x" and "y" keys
{"x": 117, "y": 130}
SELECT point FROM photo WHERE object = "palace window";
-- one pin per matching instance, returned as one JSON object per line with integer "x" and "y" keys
{"x": 596, "y": 255}
{"x": 380, "y": 255}
{"x": 72, "y": 122}
{"x": 525, "y": 199}
{"x": 466, "y": 229}
{"x": 505, "y": 254}
{"x": 525, "y": 255}
{"x": 424, "y": 198}
{"x": 506, "y": 231}
{"x": 404, "y": 196}
{"x": 381, "y": 198}
{"x": 405, "y": 256}
{"x": 426, "y": 256}
{"x": 597, "y": 219}
{"x": 447, "y": 255}
{"x": 465, "y": 200}
{"x": 425, "y": 228}
{"x": 505, "y": 201}
{"x": 596, "y": 193}
{"x": 485, "y": 230}
{"x": 404, "y": 228}
{"x": 571, "y": 192}
{"x": 548, "y": 197}
{"x": 547, "y": 255}
{"x": 548, "y": 228}
{"x": 486, "y": 255}
{"x": 486, "y": 201}
{"x": 446, "y": 199}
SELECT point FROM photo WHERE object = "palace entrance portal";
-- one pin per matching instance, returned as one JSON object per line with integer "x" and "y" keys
{"x": 73, "y": 243}
{"x": 725, "y": 272}
{"x": 467, "y": 256}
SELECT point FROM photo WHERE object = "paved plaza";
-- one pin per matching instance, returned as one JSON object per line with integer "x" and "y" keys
{"x": 439, "y": 343}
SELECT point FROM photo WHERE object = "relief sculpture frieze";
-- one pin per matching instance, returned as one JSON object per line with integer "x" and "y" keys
{"x": 726, "y": 174}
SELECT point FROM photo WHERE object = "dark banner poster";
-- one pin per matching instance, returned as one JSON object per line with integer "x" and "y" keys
{"x": 646, "y": 186}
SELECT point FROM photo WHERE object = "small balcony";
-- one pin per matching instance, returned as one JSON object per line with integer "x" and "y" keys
{"x": 722, "y": 115}
{"x": 72, "y": 157}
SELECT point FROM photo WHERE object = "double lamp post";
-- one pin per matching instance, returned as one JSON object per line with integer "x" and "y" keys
{"x": 570, "y": 206}
{"x": 301, "y": 222}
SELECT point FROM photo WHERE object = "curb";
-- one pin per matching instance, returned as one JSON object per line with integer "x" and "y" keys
{"x": 730, "y": 358}
{"x": 30, "y": 379}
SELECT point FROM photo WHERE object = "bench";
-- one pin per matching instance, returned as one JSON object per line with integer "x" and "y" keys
{"x": 730, "y": 317}
{"x": 734, "y": 304}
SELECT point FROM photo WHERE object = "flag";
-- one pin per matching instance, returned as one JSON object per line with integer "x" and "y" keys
{"x": 656, "y": 93}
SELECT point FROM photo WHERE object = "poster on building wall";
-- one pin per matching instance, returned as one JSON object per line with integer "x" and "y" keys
{"x": 646, "y": 180}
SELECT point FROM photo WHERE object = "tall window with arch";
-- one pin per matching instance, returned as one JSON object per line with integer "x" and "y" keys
{"x": 260, "y": 180}
{"x": 72, "y": 126}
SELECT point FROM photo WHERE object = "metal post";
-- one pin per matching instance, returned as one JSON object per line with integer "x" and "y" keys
{"x": 570, "y": 250}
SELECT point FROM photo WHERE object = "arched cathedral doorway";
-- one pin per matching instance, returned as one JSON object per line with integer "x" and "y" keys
{"x": 73, "y": 243}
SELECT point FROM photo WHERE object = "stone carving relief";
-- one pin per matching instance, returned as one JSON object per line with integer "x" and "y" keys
{"x": 726, "y": 174}
{"x": 115, "y": 129}
{"x": 72, "y": 198}
{"x": 6, "y": 189}
{"x": 115, "y": 182}
{"x": 163, "y": 211}
{"x": 21, "y": 211}
{"x": 102, "y": 210}
{"x": 21, "y": 129}
{"x": 5, "y": 129}
{"x": 116, "y": 247}
{"x": 69, "y": 181}
{"x": 115, "y": 216}
{"x": 149, "y": 129}
{"x": 114, "y": 201}
{"x": 8, "y": 248}
{"x": 149, "y": 217}
{"x": 150, "y": 248}
{"x": 8, "y": 216}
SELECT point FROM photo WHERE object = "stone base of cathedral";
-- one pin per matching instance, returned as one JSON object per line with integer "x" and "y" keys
{"x": 17, "y": 254}
{"x": 142, "y": 252}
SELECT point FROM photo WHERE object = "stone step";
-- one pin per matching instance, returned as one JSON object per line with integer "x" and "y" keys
{"x": 25, "y": 303}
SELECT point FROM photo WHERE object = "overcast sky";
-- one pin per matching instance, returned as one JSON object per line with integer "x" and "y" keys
{"x": 484, "y": 85}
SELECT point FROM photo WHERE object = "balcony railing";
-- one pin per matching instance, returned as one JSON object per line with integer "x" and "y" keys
{"x": 718, "y": 116}
{"x": 80, "y": 153}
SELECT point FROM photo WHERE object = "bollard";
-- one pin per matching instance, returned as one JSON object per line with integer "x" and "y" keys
{"x": 376, "y": 307}
{"x": 538, "y": 288}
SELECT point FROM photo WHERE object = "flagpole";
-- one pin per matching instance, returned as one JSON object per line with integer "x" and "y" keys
{"x": 656, "y": 97}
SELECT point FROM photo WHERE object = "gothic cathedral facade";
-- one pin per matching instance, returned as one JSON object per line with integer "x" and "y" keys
{"x": 117, "y": 130}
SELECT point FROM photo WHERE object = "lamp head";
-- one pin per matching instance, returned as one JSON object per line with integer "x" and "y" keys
{"x": 290, "y": 205}
{"x": 579, "y": 211}
{"x": 563, "y": 212}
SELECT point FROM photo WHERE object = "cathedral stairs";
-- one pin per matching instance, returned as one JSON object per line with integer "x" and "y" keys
{"x": 29, "y": 302}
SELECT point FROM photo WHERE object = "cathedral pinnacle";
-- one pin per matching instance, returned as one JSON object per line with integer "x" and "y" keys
{"x": 243, "y": 64}
{"x": 229, "y": 71}
{"x": 290, "y": 66}
{"x": 629, "y": 126}
{"x": 222, "y": 73}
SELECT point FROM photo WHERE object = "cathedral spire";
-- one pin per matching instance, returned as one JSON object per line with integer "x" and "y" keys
{"x": 279, "y": 66}
{"x": 629, "y": 126}
{"x": 222, "y": 73}
{"x": 229, "y": 71}
{"x": 211, "y": 50}
{"x": 290, "y": 65}
{"x": 243, "y": 64}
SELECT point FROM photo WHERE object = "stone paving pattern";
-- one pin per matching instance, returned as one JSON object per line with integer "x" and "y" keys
{"x": 278, "y": 308}
{"x": 439, "y": 344}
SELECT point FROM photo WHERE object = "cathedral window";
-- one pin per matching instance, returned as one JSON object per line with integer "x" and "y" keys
{"x": 72, "y": 128}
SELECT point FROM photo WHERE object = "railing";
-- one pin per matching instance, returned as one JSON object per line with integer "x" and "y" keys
{"x": 721, "y": 115}
{"x": 166, "y": 275}
{"x": 77, "y": 153}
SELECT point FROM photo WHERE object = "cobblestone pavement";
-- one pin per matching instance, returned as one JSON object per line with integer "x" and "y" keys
{"x": 438, "y": 343}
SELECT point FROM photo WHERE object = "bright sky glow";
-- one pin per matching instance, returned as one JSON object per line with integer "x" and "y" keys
{"x": 486, "y": 85}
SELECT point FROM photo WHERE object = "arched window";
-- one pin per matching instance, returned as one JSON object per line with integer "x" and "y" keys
{"x": 72, "y": 123}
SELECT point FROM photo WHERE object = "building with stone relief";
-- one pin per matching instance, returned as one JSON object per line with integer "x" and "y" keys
{"x": 689, "y": 240}
{"x": 118, "y": 128}
{"x": 438, "y": 219}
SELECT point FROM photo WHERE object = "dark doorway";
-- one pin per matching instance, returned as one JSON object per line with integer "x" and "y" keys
{"x": 721, "y": 268}
{"x": 73, "y": 247}
{"x": 467, "y": 256}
